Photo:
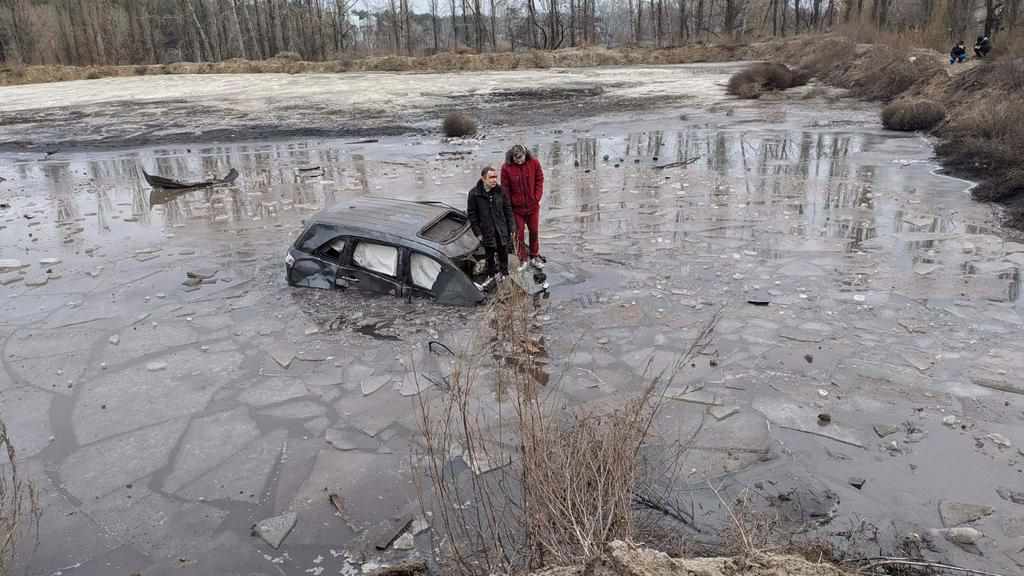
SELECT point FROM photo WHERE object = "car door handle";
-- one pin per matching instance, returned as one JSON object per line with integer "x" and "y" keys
{"x": 350, "y": 279}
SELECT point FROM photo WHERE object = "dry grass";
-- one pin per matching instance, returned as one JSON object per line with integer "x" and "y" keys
{"x": 291, "y": 63}
{"x": 19, "y": 504}
{"x": 458, "y": 125}
{"x": 912, "y": 115}
{"x": 763, "y": 77}
{"x": 986, "y": 141}
{"x": 1007, "y": 187}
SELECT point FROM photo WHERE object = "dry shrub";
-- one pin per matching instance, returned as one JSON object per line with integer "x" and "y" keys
{"x": 1015, "y": 219}
{"x": 389, "y": 64}
{"x": 540, "y": 59}
{"x": 912, "y": 115}
{"x": 762, "y": 77}
{"x": 288, "y": 55}
{"x": 579, "y": 477}
{"x": 975, "y": 157}
{"x": 567, "y": 492}
{"x": 19, "y": 504}
{"x": 93, "y": 74}
{"x": 992, "y": 118}
{"x": 750, "y": 529}
{"x": 1008, "y": 187}
{"x": 985, "y": 140}
{"x": 885, "y": 73}
{"x": 546, "y": 485}
{"x": 1009, "y": 72}
{"x": 141, "y": 70}
{"x": 821, "y": 59}
{"x": 458, "y": 125}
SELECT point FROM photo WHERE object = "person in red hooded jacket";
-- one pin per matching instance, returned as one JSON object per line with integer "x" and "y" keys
{"x": 522, "y": 179}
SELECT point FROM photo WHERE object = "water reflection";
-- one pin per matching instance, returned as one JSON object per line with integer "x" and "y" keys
{"x": 644, "y": 197}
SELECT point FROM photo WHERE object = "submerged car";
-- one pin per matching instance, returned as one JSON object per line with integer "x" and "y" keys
{"x": 388, "y": 246}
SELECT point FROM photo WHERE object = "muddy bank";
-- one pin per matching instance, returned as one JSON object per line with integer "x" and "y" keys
{"x": 150, "y": 111}
{"x": 625, "y": 559}
{"x": 163, "y": 419}
{"x": 982, "y": 137}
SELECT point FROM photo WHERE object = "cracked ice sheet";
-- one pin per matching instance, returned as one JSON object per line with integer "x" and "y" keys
{"x": 26, "y": 413}
{"x": 51, "y": 373}
{"x": 98, "y": 469}
{"x": 157, "y": 525}
{"x": 353, "y": 475}
{"x": 143, "y": 338}
{"x": 273, "y": 391}
{"x": 242, "y": 475}
{"x": 30, "y": 343}
{"x": 208, "y": 442}
{"x": 66, "y": 536}
{"x": 301, "y": 410}
{"x": 135, "y": 397}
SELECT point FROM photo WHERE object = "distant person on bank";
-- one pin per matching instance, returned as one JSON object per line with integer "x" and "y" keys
{"x": 982, "y": 46}
{"x": 958, "y": 53}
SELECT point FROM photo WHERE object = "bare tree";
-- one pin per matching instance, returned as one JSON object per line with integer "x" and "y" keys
{"x": 455, "y": 27}
{"x": 990, "y": 16}
{"x": 433, "y": 23}
{"x": 494, "y": 28}
{"x": 532, "y": 22}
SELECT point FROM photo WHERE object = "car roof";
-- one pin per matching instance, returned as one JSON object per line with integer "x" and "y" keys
{"x": 399, "y": 221}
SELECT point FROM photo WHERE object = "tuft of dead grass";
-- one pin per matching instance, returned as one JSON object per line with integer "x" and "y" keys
{"x": 912, "y": 115}
{"x": 1007, "y": 187}
{"x": 763, "y": 77}
{"x": 19, "y": 504}
{"x": 458, "y": 125}
{"x": 985, "y": 140}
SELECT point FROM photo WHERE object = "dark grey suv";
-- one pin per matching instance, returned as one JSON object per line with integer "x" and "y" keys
{"x": 388, "y": 246}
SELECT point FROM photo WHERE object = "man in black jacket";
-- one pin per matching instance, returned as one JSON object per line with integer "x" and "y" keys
{"x": 490, "y": 215}
{"x": 982, "y": 46}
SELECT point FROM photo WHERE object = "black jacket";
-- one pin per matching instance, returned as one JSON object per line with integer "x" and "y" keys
{"x": 490, "y": 215}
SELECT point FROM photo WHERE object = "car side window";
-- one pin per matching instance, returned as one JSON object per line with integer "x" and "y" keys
{"x": 332, "y": 250}
{"x": 376, "y": 258}
{"x": 424, "y": 270}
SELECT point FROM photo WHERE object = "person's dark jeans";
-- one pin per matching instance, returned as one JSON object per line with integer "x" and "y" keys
{"x": 497, "y": 259}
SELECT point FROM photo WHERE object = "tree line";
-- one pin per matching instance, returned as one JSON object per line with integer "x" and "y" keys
{"x": 103, "y": 32}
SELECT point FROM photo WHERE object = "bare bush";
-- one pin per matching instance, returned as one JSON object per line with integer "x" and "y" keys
{"x": 986, "y": 140}
{"x": 546, "y": 485}
{"x": 825, "y": 57}
{"x": 458, "y": 125}
{"x": 1006, "y": 187}
{"x": 763, "y": 77}
{"x": 19, "y": 504}
{"x": 288, "y": 55}
{"x": 1009, "y": 72}
{"x": 912, "y": 115}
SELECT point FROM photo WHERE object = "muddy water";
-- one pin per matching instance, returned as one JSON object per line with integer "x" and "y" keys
{"x": 162, "y": 420}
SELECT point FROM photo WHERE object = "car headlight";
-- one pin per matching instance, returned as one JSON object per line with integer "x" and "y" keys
{"x": 289, "y": 260}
